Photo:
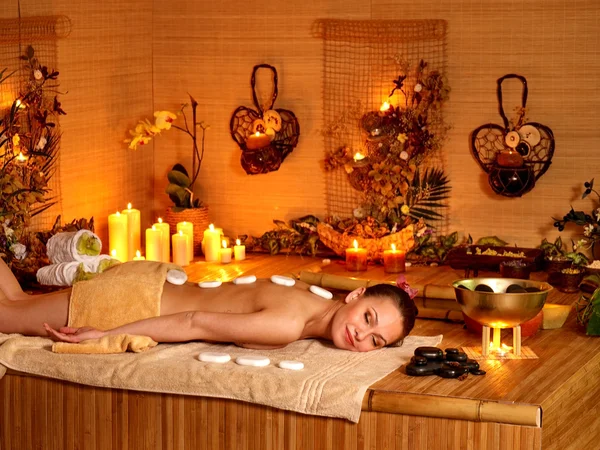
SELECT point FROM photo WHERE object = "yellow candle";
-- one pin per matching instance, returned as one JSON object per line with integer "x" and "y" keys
{"x": 117, "y": 235}
{"x": 239, "y": 250}
{"x": 153, "y": 244}
{"x": 225, "y": 253}
{"x": 188, "y": 229}
{"x": 134, "y": 239}
{"x": 138, "y": 256}
{"x": 180, "y": 248}
{"x": 166, "y": 242}
{"x": 356, "y": 258}
{"x": 394, "y": 261}
{"x": 212, "y": 243}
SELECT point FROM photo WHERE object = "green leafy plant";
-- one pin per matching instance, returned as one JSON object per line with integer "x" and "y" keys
{"x": 299, "y": 236}
{"x": 588, "y": 306}
{"x": 181, "y": 186}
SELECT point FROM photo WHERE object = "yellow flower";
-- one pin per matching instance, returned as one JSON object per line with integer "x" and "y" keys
{"x": 16, "y": 140}
{"x": 405, "y": 209}
{"x": 402, "y": 137}
{"x": 164, "y": 119}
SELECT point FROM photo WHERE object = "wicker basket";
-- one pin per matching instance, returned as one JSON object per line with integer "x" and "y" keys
{"x": 339, "y": 242}
{"x": 197, "y": 216}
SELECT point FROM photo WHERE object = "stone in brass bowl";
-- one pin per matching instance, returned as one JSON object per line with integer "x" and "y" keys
{"x": 498, "y": 309}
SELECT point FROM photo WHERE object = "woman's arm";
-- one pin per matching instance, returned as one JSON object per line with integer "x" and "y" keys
{"x": 267, "y": 327}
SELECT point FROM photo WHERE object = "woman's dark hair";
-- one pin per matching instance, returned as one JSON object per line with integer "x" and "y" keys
{"x": 403, "y": 302}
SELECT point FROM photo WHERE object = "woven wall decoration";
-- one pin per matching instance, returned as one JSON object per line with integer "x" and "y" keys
{"x": 361, "y": 58}
{"x": 516, "y": 154}
{"x": 265, "y": 135}
{"x": 16, "y": 35}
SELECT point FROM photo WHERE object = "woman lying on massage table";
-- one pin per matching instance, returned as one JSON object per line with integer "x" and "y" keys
{"x": 261, "y": 315}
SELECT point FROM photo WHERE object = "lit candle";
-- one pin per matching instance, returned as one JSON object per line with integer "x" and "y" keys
{"x": 134, "y": 239}
{"x": 358, "y": 156}
{"x": 356, "y": 258}
{"x": 394, "y": 261}
{"x": 21, "y": 159}
{"x": 117, "y": 235}
{"x": 257, "y": 140}
{"x": 212, "y": 243}
{"x": 153, "y": 244}
{"x": 385, "y": 107}
{"x": 188, "y": 229}
{"x": 166, "y": 242}
{"x": 180, "y": 248}
{"x": 225, "y": 253}
{"x": 138, "y": 256}
{"x": 239, "y": 250}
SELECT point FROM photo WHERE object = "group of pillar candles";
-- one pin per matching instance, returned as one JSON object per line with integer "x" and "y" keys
{"x": 124, "y": 238}
{"x": 394, "y": 261}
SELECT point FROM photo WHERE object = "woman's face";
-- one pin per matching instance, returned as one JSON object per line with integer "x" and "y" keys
{"x": 366, "y": 323}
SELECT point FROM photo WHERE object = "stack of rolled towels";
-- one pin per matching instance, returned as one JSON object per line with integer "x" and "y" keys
{"x": 74, "y": 256}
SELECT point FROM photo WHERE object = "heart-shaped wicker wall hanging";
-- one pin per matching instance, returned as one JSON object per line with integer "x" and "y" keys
{"x": 515, "y": 155}
{"x": 265, "y": 135}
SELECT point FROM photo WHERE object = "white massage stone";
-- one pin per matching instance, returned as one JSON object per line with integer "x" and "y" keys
{"x": 245, "y": 280}
{"x": 320, "y": 292}
{"x": 214, "y": 357}
{"x": 283, "y": 281}
{"x": 251, "y": 360}
{"x": 291, "y": 365}
{"x": 210, "y": 284}
{"x": 176, "y": 277}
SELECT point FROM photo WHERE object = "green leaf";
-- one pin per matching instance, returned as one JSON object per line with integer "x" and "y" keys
{"x": 179, "y": 178}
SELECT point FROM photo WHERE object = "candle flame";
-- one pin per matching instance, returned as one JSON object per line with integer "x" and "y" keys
{"x": 257, "y": 134}
{"x": 118, "y": 214}
{"x": 384, "y": 107}
{"x": 211, "y": 227}
{"x": 180, "y": 232}
{"x": 238, "y": 242}
{"x": 138, "y": 253}
{"x": 160, "y": 220}
{"x": 358, "y": 156}
{"x": 355, "y": 244}
{"x": 21, "y": 157}
{"x": 113, "y": 253}
{"x": 224, "y": 242}
{"x": 184, "y": 223}
{"x": 128, "y": 205}
{"x": 153, "y": 228}
{"x": 393, "y": 247}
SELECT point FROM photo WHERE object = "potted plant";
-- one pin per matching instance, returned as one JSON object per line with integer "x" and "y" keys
{"x": 180, "y": 189}
{"x": 555, "y": 258}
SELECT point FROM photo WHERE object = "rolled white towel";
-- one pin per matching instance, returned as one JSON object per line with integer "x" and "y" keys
{"x": 61, "y": 274}
{"x": 81, "y": 246}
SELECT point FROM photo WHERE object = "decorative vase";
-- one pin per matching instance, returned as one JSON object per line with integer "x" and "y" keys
{"x": 515, "y": 269}
{"x": 568, "y": 282}
{"x": 197, "y": 216}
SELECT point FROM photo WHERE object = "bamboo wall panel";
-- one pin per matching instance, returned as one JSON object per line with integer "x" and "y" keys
{"x": 53, "y": 415}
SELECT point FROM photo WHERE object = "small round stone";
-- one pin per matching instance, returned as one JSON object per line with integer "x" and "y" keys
{"x": 478, "y": 372}
{"x": 253, "y": 360}
{"x": 210, "y": 284}
{"x": 214, "y": 357}
{"x": 176, "y": 277}
{"x": 321, "y": 292}
{"x": 291, "y": 365}
{"x": 249, "y": 279}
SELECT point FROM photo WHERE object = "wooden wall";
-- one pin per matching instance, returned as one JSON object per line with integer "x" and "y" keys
{"x": 123, "y": 60}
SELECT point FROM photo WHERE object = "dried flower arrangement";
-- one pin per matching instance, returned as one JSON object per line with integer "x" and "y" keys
{"x": 29, "y": 145}
{"x": 396, "y": 193}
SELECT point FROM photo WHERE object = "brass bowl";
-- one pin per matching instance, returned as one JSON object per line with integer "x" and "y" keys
{"x": 498, "y": 309}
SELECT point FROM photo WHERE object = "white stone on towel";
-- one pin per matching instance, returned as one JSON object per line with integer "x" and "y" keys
{"x": 176, "y": 277}
{"x": 283, "y": 281}
{"x": 321, "y": 292}
{"x": 210, "y": 284}
{"x": 245, "y": 280}
{"x": 253, "y": 360}
{"x": 291, "y": 365}
{"x": 214, "y": 357}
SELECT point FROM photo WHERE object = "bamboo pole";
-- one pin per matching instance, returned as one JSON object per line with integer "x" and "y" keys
{"x": 452, "y": 408}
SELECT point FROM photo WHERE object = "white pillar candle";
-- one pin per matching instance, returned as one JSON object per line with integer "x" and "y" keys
{"x": 239, "y": 250}
{"x": 225, "y": 253}
{"x": 166, "y": 242}
{"x": 218, "y": 230}
{"x": 212, "y": 243}
{"x": 153, "y": 244}
{"x": 180, "y": 248}
{"x": 117, "y": 235}
{"x": 138, "y": 256}
{"x": 188, "y": 230}
{"x": 134, "y": 241}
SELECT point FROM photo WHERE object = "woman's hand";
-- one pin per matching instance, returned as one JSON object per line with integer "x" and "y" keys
{"x": 73, "y": 335}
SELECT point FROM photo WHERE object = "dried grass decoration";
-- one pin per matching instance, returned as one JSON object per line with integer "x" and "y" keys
{"x": 515, "y": 155}
{"x": 266, "y": 136}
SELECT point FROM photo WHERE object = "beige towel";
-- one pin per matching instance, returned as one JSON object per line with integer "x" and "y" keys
{"x": 332, "y": 383}
{"x": 122, "y": 294}
{"x": 107, "y": 344}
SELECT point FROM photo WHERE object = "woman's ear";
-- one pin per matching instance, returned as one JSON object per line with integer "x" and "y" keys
{"x": 354, "y": 294}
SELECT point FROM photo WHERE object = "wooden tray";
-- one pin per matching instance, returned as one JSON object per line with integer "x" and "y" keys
{"x": 468, "y": 259}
